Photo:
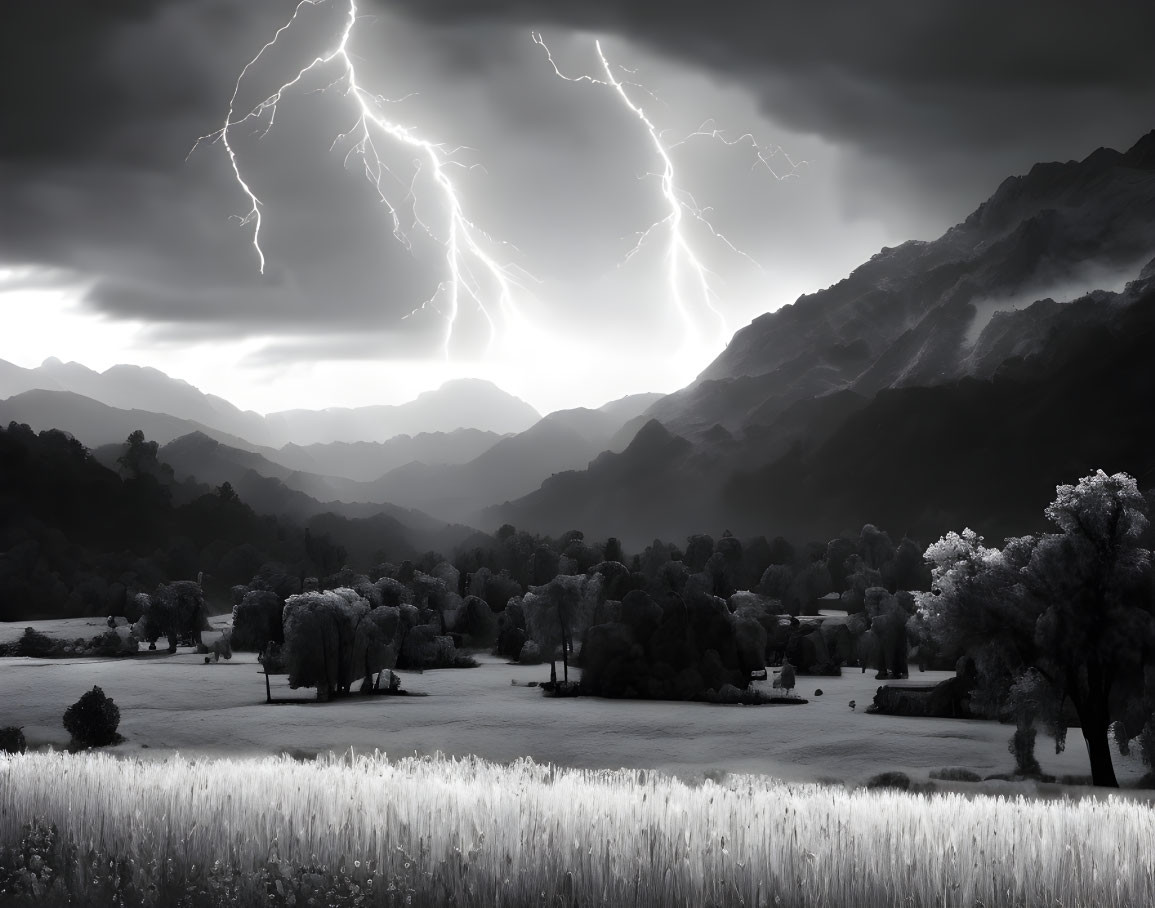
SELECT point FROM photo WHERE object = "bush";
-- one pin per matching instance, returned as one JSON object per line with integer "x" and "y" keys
{"x": 37, "y": 645}
{"x": 12, "y": 740}
{"x": 530, "y": 654}
{"x": 273, "y": 659}
{"x": 110, "y": 643}
{"x": 899, "y": 780}
{"x": 92, "y": 720}
{"x": 955, "y": 774}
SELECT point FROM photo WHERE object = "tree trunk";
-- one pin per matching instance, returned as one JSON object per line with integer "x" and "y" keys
{"x": 1095, "y": 722}
{"x": 564, "y": 655}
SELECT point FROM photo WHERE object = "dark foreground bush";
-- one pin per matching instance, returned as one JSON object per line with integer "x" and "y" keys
{"x": 899, "y": 780}
{"x": 12, "y": 740}
{"x": 92, "y": 720}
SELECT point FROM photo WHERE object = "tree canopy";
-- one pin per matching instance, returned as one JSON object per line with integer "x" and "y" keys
{"x": 1064, "y": 616}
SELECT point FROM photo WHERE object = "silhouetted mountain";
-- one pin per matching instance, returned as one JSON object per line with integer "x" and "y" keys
{"x": 269, "y": 488}
{"x": 137, "y": 388}
{"x": 916, "y": 314}
{"x": 631, "y": 406}
{"x": 462, "y": 403}
{"x": 95, "y": 424}
{"x": 514, "y": 466}
{"x": 925, "y": 392}
{"x": 81, "y": 539}
{"x": 363, "y": 461}
{"x": 979, "y": 452}
{"x": 659, "y": 481}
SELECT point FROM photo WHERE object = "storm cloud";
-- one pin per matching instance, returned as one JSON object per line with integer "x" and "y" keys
{"x": 909, "y": 113}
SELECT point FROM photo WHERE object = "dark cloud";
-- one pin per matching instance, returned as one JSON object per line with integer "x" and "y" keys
{"x": 911, "y": 113}
{"x": 921, "y": 86}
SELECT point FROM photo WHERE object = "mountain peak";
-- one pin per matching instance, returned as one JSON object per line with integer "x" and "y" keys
{"x": 1142, "y": 153}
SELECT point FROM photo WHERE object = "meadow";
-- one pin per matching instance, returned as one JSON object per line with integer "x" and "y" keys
{"x": 216, "y": 798}
{"x": 438, "y": 831}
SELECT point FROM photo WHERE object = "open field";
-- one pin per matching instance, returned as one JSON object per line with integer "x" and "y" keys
{"x": 177, "y": 703}
{"x": 438, "y": 832}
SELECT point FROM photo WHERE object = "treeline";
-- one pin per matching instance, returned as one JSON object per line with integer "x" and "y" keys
{"x": 80, "y": 539}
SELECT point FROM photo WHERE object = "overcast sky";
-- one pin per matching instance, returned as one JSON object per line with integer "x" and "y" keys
{"x": 115, "y": 248}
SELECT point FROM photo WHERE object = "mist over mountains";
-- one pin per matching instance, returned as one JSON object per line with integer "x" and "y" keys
{"x": 943, "y": 383}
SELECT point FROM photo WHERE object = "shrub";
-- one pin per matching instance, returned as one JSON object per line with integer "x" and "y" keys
{"x": 955, "y": 774}
{"x": 530, "y": 654}
{"x": 110, "y": 643}
{"x": 273, "y": 659}
{"x": 899, "y": 780}
{"x": 92, "y": 720}
{"x": 37, "y": 645}
{"x": 12, "y": 740}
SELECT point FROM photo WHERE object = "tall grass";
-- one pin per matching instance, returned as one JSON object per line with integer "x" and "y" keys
{"x": 467, "y": 832}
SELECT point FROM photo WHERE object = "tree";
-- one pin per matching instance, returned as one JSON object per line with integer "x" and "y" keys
{"x": 176, "y": 611}
{"x": 1091, "y": 580}
{"x": 555, "y": 610}
{"x": 257, "y": 620}
{"x": 140, "y": 458}
{"x": 1075, "y": 607}
{"x": 325, "y": 643}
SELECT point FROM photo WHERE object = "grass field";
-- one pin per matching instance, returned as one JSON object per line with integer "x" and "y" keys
{"x": 178, "y": 704}
{"x": 364, "y": 830}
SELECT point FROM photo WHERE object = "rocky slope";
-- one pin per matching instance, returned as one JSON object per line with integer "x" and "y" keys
{"x": 942, "y": 383}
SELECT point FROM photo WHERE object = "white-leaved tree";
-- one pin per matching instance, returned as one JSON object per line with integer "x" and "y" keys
{"x": 1064, "y": 616}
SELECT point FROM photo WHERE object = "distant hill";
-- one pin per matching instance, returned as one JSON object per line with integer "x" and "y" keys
{"x": 137, "y": 388}
{"x": 454, "y": 493}
{"x": 363, "y": 461}
{"x": 82, "y": 539}
{"x": 95, "y": 424}
{"x": 514, "y": 466}
{"x": 269, "y": 488}
{"x": 458, "y": 404}
{"x": 461, "y": 403}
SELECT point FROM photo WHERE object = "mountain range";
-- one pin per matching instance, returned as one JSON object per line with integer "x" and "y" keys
{"x": 460, "y": 403}
{"x": 942, "y": 383}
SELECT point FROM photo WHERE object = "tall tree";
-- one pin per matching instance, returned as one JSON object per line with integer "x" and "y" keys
{"x": 1074, "y": 608}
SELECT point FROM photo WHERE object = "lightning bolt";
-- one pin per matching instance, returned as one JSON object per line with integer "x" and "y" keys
{"x": 681, "y": 258}
{"x": 469, "y": 267}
